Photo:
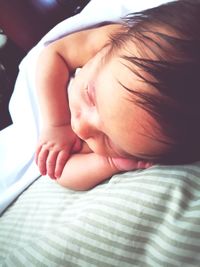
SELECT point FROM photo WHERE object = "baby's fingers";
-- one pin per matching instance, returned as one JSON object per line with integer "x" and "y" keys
{"x": 51, "y": 163}
{"x": 37, "y": 152}
{"x": 41, "y": 158}
{"x": 60, "y": 163}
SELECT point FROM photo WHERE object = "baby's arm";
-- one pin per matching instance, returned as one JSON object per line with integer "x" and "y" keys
{"x": 85, "y": 170}
{"x": 55, "y": 64}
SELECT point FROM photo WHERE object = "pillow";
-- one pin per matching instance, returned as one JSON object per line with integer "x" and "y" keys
{"x": 140, "y": 218}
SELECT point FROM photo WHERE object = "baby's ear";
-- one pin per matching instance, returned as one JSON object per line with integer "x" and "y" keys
{"x": 123, "y": 164}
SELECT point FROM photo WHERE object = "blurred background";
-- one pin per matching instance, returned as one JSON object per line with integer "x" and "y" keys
{"x": 22, "y": 24}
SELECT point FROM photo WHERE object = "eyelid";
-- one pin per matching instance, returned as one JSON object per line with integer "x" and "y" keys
{"x": 91, "y": 93}
{"x": 89, "y": 97}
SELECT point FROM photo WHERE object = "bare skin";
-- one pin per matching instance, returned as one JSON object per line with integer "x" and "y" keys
{"x": 94, "y": 131}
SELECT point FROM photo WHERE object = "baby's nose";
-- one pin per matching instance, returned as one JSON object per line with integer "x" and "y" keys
{"x": 84, "y": 128}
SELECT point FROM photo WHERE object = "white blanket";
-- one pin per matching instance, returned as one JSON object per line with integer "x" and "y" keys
{"x": 18, "y": 141}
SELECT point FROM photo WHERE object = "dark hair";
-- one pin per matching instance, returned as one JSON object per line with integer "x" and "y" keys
{"x": 174, "y": 72}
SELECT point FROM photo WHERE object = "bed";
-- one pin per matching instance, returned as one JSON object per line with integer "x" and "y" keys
{"x": 140, "y": 218}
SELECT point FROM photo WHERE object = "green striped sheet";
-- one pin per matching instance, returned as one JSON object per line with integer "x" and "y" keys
{"x": 141, "y": 218}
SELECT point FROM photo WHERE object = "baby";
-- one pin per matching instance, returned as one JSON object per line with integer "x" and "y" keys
{"x": 133, "y": 103}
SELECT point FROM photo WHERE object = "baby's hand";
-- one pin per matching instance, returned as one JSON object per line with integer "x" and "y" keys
{"x": 123, "y": 164}
{"x": 55, "y": 146}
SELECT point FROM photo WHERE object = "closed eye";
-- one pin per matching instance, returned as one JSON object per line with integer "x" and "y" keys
{"x": 91, "y": 94}
{"x": 90, "y": 97}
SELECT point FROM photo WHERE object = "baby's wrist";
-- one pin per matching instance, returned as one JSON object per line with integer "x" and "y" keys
{"x": 55, "y": 121}
{"x": 123, "y": 164}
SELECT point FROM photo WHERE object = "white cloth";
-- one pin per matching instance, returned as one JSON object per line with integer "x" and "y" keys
{"x": 18, "y": 141}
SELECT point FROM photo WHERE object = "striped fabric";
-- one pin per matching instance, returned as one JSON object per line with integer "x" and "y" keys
{"x": 141, "y": 218}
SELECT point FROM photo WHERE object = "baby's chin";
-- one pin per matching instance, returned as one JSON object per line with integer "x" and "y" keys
{"x": 96, "y": 148}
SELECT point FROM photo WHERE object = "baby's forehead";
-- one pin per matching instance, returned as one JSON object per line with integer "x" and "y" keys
{"x": 153, "y": 42}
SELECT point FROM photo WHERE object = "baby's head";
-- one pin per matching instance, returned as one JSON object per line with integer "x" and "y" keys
{"x": 139, "y": 96}
{"x": 162, "y": 47}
